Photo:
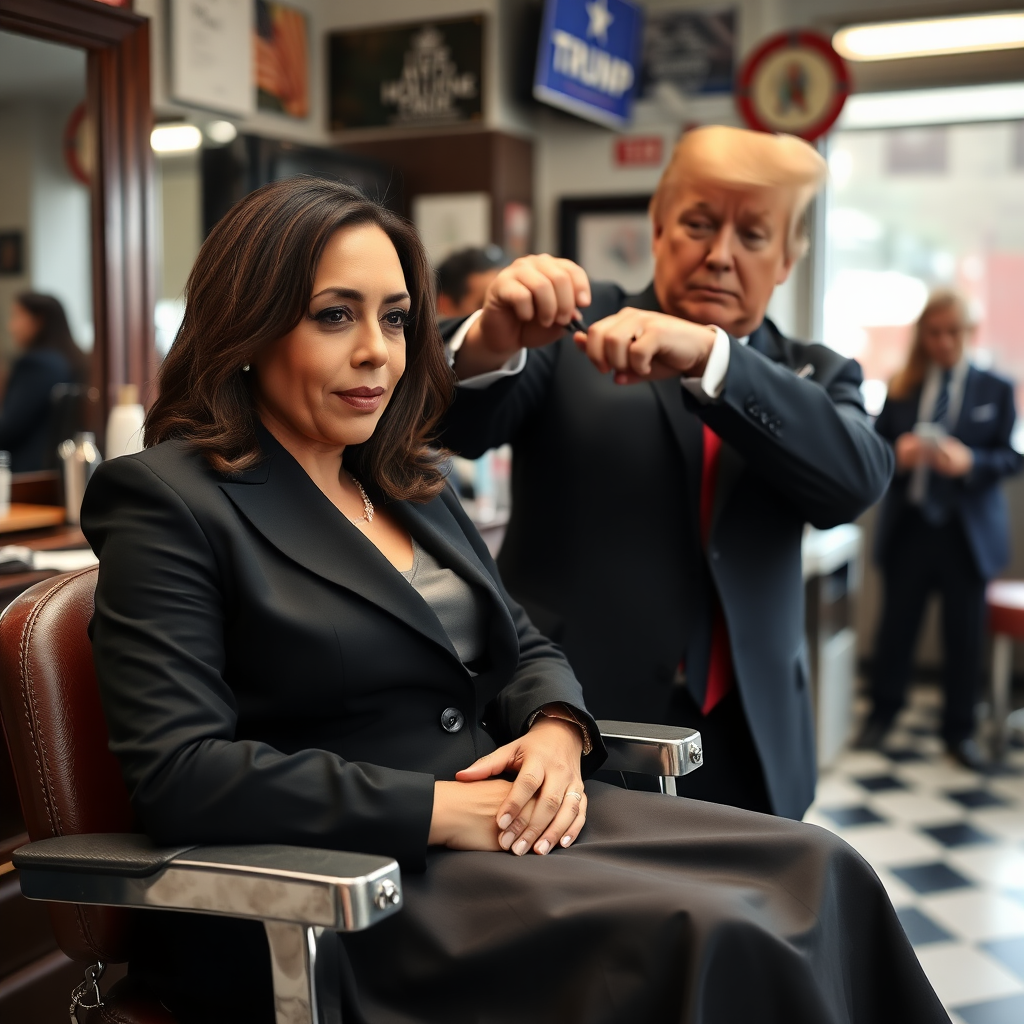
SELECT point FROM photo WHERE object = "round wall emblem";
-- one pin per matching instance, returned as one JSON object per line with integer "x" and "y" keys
{"x": 79, "y": 146}
{"x": 794, "y": 83}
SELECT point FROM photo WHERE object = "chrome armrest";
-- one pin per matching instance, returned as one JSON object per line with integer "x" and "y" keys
{"x": 668, "y": 751}
{"x": 296, "y": 884}
{"x": 297, "y": 892}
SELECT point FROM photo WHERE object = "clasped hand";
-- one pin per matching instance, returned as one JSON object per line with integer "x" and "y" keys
{"x": 545, "y": 806}
{"x": 947, "y": 456}
{"x": 531, "y": 302}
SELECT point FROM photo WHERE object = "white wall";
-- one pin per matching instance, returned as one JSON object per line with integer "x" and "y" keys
{"x": 39, "y": 197}
{"x": 180, "y": 213}
{"x": 61, "y": 224}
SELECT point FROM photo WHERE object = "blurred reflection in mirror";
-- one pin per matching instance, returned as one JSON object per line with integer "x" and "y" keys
{"x": 46, "y": 316}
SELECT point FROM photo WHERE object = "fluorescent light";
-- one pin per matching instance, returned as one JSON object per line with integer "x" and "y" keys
{"x": 221, "y": 132}
{"x": 175, "y": 138}
{"x": 893, "y": 40}
{"x": 958, "y": 105}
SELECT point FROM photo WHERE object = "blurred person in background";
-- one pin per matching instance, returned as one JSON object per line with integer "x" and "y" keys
{"x": 656, "y": 529}
{"x": 944, "y": 525}
{"x": 48, "y": 356}
{"x": 463, "y": 279}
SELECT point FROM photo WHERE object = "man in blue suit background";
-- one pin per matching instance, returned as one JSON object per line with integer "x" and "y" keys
{"x": 944, "y": 523}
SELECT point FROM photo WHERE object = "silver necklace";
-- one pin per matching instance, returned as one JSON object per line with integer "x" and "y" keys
{"x": 367, "y": 515}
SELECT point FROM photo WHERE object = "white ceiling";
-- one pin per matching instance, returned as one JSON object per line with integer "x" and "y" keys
{"x": 33, "y": 68}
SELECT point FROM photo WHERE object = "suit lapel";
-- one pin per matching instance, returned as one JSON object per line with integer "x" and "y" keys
{"x": 280, "y": 500}
{"x": 763, "y": 339}
{"x": 730, "y": 468}
{"x": 687, "y": 429}
{"x": 730, "y": 463}
{"x": 434, "y": 526}
{"x": 967, "y": 399}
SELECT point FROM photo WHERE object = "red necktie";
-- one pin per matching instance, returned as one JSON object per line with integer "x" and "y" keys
{"x": 719, "y": 680}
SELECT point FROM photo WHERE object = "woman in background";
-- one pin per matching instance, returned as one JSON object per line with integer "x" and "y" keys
{"x": 944, "y": 525}
{"x": 49, "y": 356}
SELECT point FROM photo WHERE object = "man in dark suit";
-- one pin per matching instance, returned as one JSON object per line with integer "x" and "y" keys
{"x": 656, "y": 529}
{"x": 944, "y": 525}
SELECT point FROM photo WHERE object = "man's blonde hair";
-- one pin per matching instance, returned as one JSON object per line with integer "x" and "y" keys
{"x": 742, "y": 159}
{"x": 911, "y": 376}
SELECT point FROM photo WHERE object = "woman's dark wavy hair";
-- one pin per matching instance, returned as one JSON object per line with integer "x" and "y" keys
{"x": 251, "y": 285}
{"x": 53, "y": 335}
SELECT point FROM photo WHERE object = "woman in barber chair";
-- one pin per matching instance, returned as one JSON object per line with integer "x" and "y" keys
{"x": 300, "y": 638}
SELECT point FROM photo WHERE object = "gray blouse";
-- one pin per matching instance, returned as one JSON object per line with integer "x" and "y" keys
{"x": 461, "y": 608}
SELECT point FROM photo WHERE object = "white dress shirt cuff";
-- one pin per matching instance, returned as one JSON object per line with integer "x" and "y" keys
{"x": 709, "y": 386}
{"x": 513, "y": 365}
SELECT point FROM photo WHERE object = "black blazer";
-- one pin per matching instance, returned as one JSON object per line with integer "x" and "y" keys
{"x": 269, "y": 677}
{"x": 984, "y": 424}
{"x": 603, "y": 548}
{"x": 25, "y": 419}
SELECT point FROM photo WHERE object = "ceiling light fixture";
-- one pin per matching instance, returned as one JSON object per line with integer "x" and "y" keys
{"x": 964, "y": 104}
{"x": 175, "y": 138}
{"x": 221, "y": 132}
{"x": 894, "y": 40}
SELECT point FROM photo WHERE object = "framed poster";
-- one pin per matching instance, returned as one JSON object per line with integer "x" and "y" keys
{"x": 588, "y": 58}
{"x": 610, "y": 238}
{"x": 212, "y": 54}
{"x": 281, "y": 58}
{"x": 429, "y": 73}
{"x": 688, "y": 52}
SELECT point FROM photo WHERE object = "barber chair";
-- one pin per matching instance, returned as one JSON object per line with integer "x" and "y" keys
{"x": 88, "y": 861}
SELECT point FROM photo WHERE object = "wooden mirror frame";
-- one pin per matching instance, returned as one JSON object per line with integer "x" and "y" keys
{"x": 122, "y": 203}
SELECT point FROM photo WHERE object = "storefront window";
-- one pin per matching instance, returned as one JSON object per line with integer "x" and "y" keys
{"x": 915, "y": 208}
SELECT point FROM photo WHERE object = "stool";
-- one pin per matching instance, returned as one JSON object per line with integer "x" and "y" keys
{"x": 1005, "y": 601}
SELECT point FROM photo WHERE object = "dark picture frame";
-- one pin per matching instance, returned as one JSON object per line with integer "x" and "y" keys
{"x": 572, "y": 215}
{"x": 12, "y": 253}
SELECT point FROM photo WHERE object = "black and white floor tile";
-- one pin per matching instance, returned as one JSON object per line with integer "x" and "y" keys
{"x": 948, "y": 845}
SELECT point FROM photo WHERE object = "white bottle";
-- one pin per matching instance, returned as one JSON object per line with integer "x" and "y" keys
{"x": 125, "y": 423}
{"x": 5, "y": 484}
{"x": 80, "y": 458}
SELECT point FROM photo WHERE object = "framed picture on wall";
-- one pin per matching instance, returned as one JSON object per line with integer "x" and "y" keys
{"x": 12, "y": 245}
{"x": 609, "y": 237}
{"x": 281, "y": 60}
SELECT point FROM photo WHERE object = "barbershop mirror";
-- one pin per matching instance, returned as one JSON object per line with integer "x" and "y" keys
{"x": 46, "y": 274}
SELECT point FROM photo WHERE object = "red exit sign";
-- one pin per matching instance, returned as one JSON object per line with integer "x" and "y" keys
{"x": 639, "y": 151}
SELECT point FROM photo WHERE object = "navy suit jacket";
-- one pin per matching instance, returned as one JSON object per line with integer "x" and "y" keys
{"x": 604, "y": 547}
{"x": 25, "y": 419}
{"x": 984, "y": 424}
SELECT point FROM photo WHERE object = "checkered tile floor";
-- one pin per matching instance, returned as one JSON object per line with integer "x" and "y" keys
{"x": 948, "y": 845}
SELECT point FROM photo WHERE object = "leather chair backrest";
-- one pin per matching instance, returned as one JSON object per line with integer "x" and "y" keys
{"x": 68, "y": 781}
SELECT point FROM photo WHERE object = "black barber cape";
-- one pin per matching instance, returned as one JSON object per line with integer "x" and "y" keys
{"x": 604, "y": 549}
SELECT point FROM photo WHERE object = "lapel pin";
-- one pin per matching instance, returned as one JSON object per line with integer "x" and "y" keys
{"x": 806, "y": 370}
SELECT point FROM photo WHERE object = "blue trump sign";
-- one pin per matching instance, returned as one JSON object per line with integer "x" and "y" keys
{"x": 588, "y": 58}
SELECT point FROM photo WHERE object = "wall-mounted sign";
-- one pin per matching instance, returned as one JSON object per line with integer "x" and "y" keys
{"x": 282, "y": 58}
{"x": 588, "y": 58}
{"x": 212, "y": 54}
{"x": 795, "y": 83}
{"x": 688, "y": 52}
{"x": 425, "y": 74}
{"x": 639, "y": 151}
